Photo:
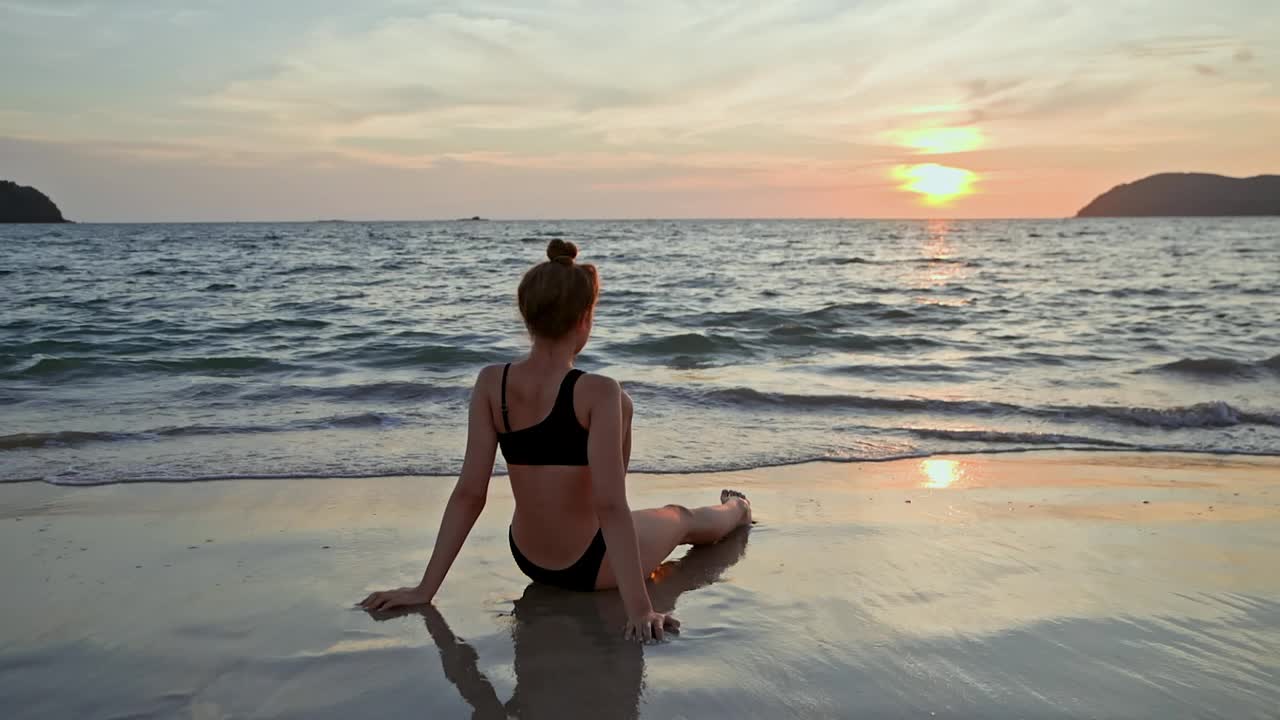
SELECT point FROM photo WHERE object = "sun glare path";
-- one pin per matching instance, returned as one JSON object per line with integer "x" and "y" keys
{"x": 938, "y": 184}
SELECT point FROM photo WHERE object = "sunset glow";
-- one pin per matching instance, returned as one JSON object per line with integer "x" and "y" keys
{"x": 942, "y": 140}
{"x": 938, "y": 184}
{"x": 528, "y": 109}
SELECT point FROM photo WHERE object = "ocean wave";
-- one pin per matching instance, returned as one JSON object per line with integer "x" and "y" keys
{"x": 681, "y": 344}
{"x": 1145, "y": 292}
{"x": 847, "y": 314}
{"x": 945, "y": 261}
{"x": 64, "y": 368}
{"x": 362, "y": 420}
{"x": 855, "y": 260}
{"x": 19, "y": 324}
{"x": 25, "y": 350}
{"x": 271, "y": 325}
{"x": 1015, "y": 438}
{"x": 43, "y": 367}
{"x": 917, "y": 261}
{"x": 1221, "y": 367}
{"x": 20, "y": 441}
{"x": 75, "y": 438}
{"x": 388, "y": 391}
{"x": 902, "y": 371}
{"x": 859, "y": 342}
{"x": 1038, "y": 359}
{"x": 315, "y": 269}
{"x": 758, "y": 399}
{"x": 1201, "y": 415}
{"x": 398, "y": 263}
{"x": 400, "y": 354}
{"x": 829, "y": 318}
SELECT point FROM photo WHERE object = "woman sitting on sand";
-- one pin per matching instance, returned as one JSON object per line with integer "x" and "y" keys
{"x": 572, "y": 527}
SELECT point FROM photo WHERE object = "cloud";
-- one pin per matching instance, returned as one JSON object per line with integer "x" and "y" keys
{"x": 663, "y": 95}
{"x": 46, "y": 9}
{"x": 685, "y": 75}
{"x": 1188, "y": 46}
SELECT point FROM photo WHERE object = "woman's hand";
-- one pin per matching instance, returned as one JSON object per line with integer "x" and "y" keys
{"x": 387, "y": 599}
{"x": 650, "y": 627}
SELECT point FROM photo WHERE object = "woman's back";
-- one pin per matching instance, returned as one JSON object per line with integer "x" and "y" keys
{"x": 553, "y": 519}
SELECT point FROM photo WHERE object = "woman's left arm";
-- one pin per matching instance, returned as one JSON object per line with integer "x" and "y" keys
{"x": 462, "y": 510}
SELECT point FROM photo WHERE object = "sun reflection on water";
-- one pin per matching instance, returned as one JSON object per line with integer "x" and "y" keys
{"x": 937, "y": 266}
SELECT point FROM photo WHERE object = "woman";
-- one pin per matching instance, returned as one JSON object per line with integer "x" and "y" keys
{"x": 566, "y": 437}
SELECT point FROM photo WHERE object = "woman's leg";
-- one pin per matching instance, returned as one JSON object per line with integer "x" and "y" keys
{"x": 661, "y": 530}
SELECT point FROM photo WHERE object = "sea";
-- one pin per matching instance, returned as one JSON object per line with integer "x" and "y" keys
{"x": 188, "y": 352}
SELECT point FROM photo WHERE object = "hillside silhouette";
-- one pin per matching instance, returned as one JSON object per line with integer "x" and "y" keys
{"x": 1188, "y": 194}
{"x": 22, "y": 204}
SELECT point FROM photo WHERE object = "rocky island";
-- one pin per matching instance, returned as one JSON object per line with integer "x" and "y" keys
{"x": 1188, "y": 194}
{"x": 22, "y": 204}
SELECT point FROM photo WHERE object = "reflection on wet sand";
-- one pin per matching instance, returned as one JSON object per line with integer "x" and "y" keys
{"x": 940, "y": 472}
{"x": 570, "y": 658}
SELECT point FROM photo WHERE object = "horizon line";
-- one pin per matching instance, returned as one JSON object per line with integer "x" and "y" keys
{"x": 725, "y": 218}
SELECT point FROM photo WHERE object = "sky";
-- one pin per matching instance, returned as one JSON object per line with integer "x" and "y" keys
{"x": 174, "y": 110}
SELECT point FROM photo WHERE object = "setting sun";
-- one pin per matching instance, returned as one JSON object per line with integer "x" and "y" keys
{"x": 938, "y": 183}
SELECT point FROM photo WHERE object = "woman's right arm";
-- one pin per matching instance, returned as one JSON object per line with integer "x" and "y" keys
{"x": 464, "y": 506}
{"x": 609, "y": 496}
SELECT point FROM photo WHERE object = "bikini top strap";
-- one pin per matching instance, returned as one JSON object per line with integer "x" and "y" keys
{"x": 506, "y": 419}
{"x": 564, "y": 400}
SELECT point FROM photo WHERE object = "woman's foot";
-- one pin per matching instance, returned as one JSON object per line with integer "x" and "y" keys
{"x": 727, "y": 495}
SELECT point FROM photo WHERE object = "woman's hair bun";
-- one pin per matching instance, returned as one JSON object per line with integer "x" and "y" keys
{"x": 561, "y": 251}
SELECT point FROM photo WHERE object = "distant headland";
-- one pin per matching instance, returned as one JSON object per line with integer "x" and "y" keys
{"x": 1188, "y": 194}
{"x": 22, "y": 204}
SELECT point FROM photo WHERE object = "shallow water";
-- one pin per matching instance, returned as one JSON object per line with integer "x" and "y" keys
{"x": 135, "y": 352}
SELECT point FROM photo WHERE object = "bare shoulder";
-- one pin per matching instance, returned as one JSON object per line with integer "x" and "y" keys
{"x": 489, "y": 375}
{"x": 599, "y": 387}
{"x": 491, "y": 371}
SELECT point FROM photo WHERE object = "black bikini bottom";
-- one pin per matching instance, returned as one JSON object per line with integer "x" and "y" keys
{"x": 579, "y": 576}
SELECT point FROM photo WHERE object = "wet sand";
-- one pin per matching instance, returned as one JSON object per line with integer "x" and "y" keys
{"x": 1022, "y": 586}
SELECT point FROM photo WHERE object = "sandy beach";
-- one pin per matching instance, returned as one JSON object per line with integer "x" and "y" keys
{"x": 1023, "y": 586}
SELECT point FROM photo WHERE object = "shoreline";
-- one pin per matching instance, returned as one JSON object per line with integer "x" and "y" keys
{"x": 1055, "y": 584}
{"x": 1224, "y": 454}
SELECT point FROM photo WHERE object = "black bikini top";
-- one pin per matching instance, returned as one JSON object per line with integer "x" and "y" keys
{"x": 558, "y": 440}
